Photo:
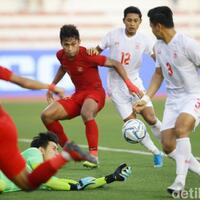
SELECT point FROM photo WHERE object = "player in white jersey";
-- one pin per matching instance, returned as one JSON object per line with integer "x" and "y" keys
{"x": 177, "y": 61}
{"x": 127, "y": 46}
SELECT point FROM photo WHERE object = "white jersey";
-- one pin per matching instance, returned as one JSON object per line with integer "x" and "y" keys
{"x": 128, "y": 51}
{"x": 179, "y": 61}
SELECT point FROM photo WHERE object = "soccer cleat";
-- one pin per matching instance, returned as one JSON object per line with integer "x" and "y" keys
{"x": 176, "y": 188}
{"x": 76, "y": 153}
{"x": 91, "y": 165}
{"x": 158, "y": 160}
{"x": 122, "y": 172}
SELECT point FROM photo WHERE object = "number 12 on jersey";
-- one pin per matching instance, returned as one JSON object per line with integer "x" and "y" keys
{"x": 125, "y": 58}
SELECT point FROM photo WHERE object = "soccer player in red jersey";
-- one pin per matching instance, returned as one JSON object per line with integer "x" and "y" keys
{"x": 12, "y": 164}
{"x": 89, "y": 96}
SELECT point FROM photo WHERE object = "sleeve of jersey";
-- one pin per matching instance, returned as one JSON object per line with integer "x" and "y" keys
{"x": 5, "y": 74}
{"x": 157, "y": 64}
{"x": 58, "y": 184}
{"x": 97, "y": 60}
{"x": 59, "y": 55}
{"x": 105, "y": 42}
{"x": 192, "y": 50}
{"x": 149, "y": 46}
{"x": 33, "y": 157}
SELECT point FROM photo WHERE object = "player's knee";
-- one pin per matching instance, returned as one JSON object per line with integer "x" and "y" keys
{"x": 180, "y": 131}
{"x": 167, "y": 146}
{"x": 45, "y": 116}
{"x": 87, "y": 115}
{"x": 151, "y": 119}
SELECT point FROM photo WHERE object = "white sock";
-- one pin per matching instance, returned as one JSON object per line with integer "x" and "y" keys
{"x": 172, "y": 154}
{"x": 194, "y": 165}
{"x": 148, "y": 143}
{"x": 156, "y": 129}
{"x": 183, "y": 153}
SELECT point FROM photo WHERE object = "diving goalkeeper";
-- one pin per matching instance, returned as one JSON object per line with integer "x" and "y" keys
{"x": 44, "y": 147}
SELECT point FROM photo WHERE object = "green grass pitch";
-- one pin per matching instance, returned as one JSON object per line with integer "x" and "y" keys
{"x": 146, "y": 182}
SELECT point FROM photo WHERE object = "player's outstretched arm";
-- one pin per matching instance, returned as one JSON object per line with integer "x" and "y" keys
{"x": 35, "y": 85}
{"x": 122, "y": 73}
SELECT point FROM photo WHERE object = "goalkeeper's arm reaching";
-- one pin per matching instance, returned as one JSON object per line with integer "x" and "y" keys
{"x": 120, "y": 174}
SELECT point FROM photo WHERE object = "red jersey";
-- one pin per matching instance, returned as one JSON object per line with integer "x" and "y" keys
{"x": 83, "y": 69}
{"x": 5, "y": 74}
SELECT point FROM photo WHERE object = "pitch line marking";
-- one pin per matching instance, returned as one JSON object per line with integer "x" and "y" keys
{"x": 107, "y": 149}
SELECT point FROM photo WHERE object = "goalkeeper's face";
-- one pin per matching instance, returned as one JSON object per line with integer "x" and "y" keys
{"x": 50, "y": 151}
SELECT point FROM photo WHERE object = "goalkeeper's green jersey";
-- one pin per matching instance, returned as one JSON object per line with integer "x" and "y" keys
{"x": 33, "y": 157}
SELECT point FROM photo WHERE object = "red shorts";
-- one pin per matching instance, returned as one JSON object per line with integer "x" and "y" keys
{"x": 73, "y": 104}
{"x": 11, "y": 161}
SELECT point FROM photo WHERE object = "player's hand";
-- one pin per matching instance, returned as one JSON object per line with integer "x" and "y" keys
{"x": 134, "y": 90}
{"x": 141, "y": 104}
{"x": 59, "y": 91}
{"x": 126, "y": 172}
{"x": 92, "y": 51}
{"x": 122, "y": 172}
{"x": 84, "y": 182}
{"x": 138, "y": 94}
{"x": 56, "y": 90}
{"x": 49, "y": 96}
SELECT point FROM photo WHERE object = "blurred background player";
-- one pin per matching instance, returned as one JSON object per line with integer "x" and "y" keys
{"x": 127, "y": 46}
{"x": 89, "y": 96}
{"x": 12, "y": 164}
{"x": 177, "y": 61}
{"x": 44, "y": 147}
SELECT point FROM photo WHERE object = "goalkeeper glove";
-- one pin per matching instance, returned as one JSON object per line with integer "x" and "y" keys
{"x": 122, "y": 172}
{"x": 84, "y": 182}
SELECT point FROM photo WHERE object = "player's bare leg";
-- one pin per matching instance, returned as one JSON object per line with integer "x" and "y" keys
{"x": 168, "y": 140}
{"x": 50, "y": 116}
{"x": 88, "y": 113}
{"x": 22, "y": 180}
{"x": 148, "y": 144}
{"x": 149, "y": 116}
{"x": 184, "y": 125}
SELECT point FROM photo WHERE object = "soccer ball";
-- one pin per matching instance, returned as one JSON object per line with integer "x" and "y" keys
{"x": 134, "y": 131}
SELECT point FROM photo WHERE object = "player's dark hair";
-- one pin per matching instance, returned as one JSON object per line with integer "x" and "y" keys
{"x": 132, "y": 9}
{"x": 42, "y": 139}
{"x": 69, "y": 31}
{"x": 162, "y": 15}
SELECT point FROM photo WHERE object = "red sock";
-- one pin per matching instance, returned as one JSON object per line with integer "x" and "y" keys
{"x": 92, "y": 136}
{"x": 57, "y": 128}
{"x": 45, "y": 171}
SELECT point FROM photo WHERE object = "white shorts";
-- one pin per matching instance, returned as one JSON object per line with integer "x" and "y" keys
{"x": 175, "y": 106}
{"x": 123, "y": 100}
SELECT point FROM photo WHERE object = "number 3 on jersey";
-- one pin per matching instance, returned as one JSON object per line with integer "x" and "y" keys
{"x": 170, "y": 69}
{"x": 125, "y": 58}
{"x": 197, "y": 105}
